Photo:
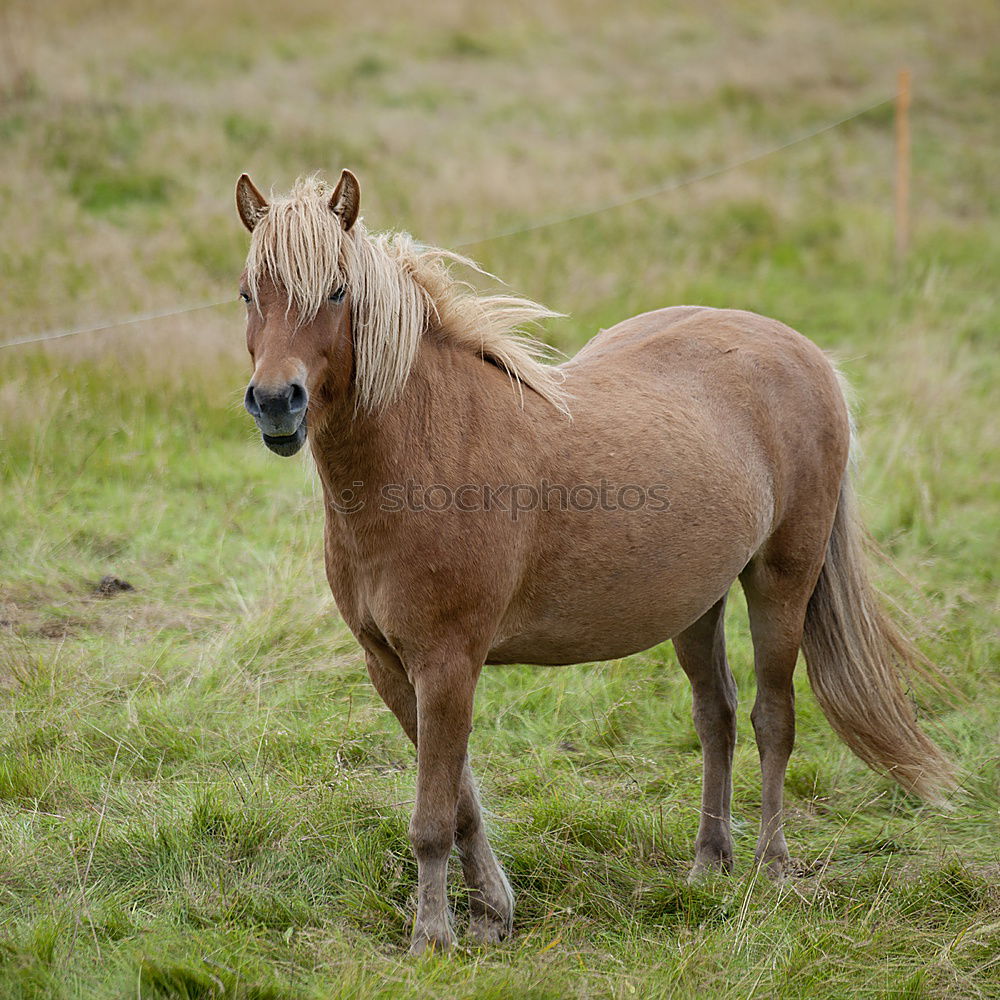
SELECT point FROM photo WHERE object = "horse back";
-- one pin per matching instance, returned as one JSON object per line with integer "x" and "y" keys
{"x": 726, "y": 375}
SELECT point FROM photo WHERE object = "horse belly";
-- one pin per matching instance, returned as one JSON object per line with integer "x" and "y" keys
{"x": 556, "y": 646}
{"x": 616, "y": 594}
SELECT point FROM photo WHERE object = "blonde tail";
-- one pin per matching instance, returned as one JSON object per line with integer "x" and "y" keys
{"x": 855, "y": 655}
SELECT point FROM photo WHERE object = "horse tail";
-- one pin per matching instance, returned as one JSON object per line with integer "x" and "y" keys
{"x": 855, "y": 656}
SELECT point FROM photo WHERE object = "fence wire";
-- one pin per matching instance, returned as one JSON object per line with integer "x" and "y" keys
{"x": 643, "y": 194}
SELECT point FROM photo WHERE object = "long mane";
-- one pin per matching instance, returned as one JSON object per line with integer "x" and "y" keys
{"x": 398, "y": 290}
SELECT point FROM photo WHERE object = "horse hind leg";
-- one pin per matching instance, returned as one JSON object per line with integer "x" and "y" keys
{"x": 701, "y": 650}
{"x": 777, "y": 588}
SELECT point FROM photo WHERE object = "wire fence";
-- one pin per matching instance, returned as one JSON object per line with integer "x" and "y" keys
{"x": 643, "y": 194}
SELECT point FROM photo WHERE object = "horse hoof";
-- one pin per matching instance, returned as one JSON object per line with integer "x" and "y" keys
{"x": 427, "y": 941}
{"x": 489, "y": 930}
{"x": 714, "y": 864}
{"x": 783, "y": 867}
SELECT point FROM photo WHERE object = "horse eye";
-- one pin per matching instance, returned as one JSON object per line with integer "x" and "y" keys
{"x": 338, "y": 294}
{"x": 245, "y": 296}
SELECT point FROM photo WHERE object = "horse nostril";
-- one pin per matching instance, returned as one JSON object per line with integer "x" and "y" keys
{"x": 297, "y": 397}
{"x": 250, "y": 402}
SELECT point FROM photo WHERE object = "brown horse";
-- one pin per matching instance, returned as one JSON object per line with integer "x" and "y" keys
{"x": 483, "y": 507}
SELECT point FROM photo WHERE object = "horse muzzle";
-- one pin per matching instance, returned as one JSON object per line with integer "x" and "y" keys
{"x": 287, "y": 444}
{"x": 280, "y": 413}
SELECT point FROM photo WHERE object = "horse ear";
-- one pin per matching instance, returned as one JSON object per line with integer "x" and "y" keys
{"x": 346, "y": 200}
{"x": 250, "y": 203}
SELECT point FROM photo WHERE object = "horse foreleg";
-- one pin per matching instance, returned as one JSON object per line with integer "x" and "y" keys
{"x": 444, "y": 687}
{"x": 491, "y": 901}
{"x": 701, "y": 650}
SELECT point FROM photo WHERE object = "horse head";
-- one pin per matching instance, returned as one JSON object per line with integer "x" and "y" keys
{"x": 298, "y": 318}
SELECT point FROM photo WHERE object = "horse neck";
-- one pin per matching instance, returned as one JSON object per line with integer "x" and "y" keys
{"x": 448, "y": 421}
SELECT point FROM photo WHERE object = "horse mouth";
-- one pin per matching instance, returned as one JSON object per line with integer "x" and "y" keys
{"x": 287, "y": 445}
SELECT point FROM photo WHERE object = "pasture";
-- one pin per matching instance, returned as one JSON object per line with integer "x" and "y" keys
{"x": 201, "y": 795}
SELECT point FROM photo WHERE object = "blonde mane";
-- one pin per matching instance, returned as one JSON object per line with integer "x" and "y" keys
{"x": 398, "y": 290}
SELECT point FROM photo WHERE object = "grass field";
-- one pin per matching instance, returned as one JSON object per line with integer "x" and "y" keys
{"x": 200, "y": 793}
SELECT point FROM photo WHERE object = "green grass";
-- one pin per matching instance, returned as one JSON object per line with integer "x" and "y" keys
{"x": 200, "y": 793}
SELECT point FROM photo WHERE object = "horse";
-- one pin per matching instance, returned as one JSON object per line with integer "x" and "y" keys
{"x": 483, "y": 506}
